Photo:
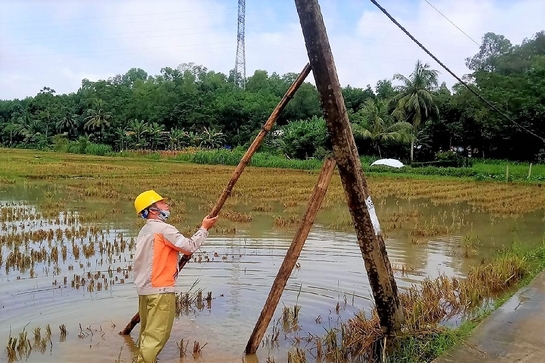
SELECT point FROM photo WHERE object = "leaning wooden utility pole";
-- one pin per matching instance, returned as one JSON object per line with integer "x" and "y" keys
{"x": 292, "y": 255}
{"x": 371, "y": 242}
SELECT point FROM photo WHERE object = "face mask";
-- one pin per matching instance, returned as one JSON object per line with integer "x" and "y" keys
{"x": 163, "y": 214}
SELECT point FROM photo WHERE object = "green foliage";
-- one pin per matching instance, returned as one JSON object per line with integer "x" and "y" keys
{"x": 378, "y": 126}
{"x": 493, "y": 171}
{"x": 449, "y": 158}
{"x": 302, "y": 139}
{"x": 97, "y": 149}
{"x": 217, "y": 157}
{"x": 192, "y": 106}
{"x": 60, "y": 143}
{"x": 212, "y": 139}
{"x": 426, "y": 348}
{"x": 82, "y": 146}
{"x": 227, "y": 157}
{"x": 415, "y": 101}
{"x": 79, "y": 146}
{"x": 497, "y": 170}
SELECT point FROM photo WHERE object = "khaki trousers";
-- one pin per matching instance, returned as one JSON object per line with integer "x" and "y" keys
{"x": 156, "y": 318}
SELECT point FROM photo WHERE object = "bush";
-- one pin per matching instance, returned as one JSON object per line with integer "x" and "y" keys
{"x": 226, "y": 157}
{"x": 60, "y": 143}
{"x": 78, "y": 147}
{"x": 153, "y": 156}
{"x": 305, "y": 138}
{"x": 222, "y": 157}
{"x": 540, "y": 157}
{"x": 97, "y": 149}
{"x": 449, "y": 158}
{"x": 84, "y": 146}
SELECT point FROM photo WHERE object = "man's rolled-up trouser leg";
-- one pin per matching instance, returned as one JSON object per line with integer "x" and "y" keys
{"x": 156, "y": 315}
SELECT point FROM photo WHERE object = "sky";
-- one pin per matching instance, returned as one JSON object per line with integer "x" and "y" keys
{"x": 58, "y": 43}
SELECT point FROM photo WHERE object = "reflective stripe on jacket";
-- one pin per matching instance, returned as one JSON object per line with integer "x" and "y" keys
{"x": 156, "y": 258}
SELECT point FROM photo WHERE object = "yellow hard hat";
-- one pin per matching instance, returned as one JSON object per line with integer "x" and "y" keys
{"x": 145, "y": 199}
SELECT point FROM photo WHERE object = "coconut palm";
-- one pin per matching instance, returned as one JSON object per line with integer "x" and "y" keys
{"x": 12, "y": 128}
{"x": 97, "y": 117}
{"x": 29, "y": 128}
{"x": 379, "y": 126}
{"x": 415, "y": 101}
{"x": 67, "y": 122}
{"x": 48, "y": 118}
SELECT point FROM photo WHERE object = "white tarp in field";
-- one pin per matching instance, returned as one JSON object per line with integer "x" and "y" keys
{"x": 394, "y": 163}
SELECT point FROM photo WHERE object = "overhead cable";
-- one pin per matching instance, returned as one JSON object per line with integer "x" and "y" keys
{"x": 453, "y": 74}
{"x": 450, "y": 21}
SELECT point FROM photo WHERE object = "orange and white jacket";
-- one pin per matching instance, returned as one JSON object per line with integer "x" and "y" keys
{"x": 156, "y": 258}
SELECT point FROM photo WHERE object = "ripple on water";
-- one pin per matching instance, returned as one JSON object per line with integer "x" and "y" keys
{"x": 330, "y": 284}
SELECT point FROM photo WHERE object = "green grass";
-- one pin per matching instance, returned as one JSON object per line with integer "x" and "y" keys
{"x": 225, "y": 157}
{"x": 481, "y": 170}
{"x": 417, "y": 349}
{"x": 517, "y": 171}
{"x": 425, "y": 349}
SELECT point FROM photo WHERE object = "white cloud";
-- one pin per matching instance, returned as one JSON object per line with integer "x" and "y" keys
{"x": 56, "y": 44}
{"x": 202, "y": 32}
{"x": 378, "y": 48}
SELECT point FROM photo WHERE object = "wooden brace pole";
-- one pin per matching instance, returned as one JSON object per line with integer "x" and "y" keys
{"x": 259, "y": 139}
{"x": 239, "y": 169}
{"x": 292, "y": 255}
{"x": 265, "y": 129}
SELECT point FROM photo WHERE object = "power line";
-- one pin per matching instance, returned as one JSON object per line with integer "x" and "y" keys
{"x": 453, "y": 74}
{"x": 450, "y": 21}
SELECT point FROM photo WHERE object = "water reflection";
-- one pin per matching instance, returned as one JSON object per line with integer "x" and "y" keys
{"x": 329, "y": 284}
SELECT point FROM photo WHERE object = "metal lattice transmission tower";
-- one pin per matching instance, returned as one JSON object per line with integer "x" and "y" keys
{"x": 240, "y": 64}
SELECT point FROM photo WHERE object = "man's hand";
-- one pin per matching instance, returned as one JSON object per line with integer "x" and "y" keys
{"x": 208, "y": 222}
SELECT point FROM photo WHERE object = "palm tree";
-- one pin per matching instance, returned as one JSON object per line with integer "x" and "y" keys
{"x": 379, "y": 126}
{"x": 47, "y": 118}
{"x": 13, "y": 129}
{"x": 97, "y": 117}
{"x": 29, "y": 128}
{"x": 67, "y": 122}
{"x": 415, "y": 101}
{"x": 138, "y": 129}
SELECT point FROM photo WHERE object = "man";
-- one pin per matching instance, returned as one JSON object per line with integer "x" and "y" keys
{"x": 156, "y": 269}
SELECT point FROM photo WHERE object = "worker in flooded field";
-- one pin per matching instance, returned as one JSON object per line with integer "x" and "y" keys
{"x": 156, "y": 268}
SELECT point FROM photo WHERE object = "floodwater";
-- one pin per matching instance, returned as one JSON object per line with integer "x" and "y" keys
{"x": 329, "y": 282}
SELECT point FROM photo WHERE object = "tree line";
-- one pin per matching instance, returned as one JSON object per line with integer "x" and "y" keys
{"x": 408, "y": 117}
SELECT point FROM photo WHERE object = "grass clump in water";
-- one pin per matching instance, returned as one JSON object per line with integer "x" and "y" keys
{"x": 426, "y": 307}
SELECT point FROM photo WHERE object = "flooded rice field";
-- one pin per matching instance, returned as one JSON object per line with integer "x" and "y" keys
{"x": 66, "y": 281}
